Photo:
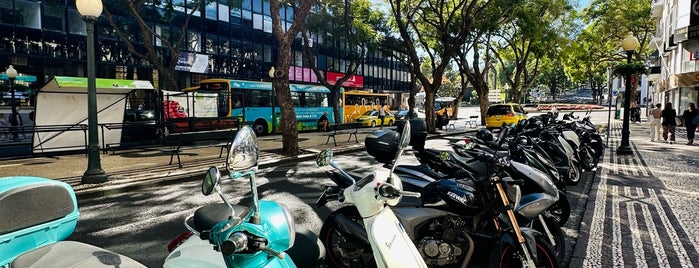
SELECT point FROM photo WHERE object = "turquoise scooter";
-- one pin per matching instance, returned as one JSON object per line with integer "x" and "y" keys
{"x": 227, "y": 235}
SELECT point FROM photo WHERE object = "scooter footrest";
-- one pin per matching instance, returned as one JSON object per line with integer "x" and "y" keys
{"x": 72, "y": 254}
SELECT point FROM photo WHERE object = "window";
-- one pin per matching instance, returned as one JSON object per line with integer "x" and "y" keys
{"x": 261, "y": 98}
{"x": 296, "y": 99}
{"x": 27, "y": 14}
{"x": 6, "y": 12}
{"x": 53, "y": 18}
{"x": 76, "y": 25}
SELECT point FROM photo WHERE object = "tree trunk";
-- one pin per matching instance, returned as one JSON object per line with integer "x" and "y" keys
{"x": 483, "y": 103}
{"x": 290, "y": 134}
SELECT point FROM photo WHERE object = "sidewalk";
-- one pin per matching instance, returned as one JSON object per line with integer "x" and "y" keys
{"x": 140, "y": 167}
{"x": 641, "y": 210}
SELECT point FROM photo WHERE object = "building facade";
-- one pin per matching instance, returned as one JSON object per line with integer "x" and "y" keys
{"x": 675, "y": 71}
{"x": 45, "y": 39}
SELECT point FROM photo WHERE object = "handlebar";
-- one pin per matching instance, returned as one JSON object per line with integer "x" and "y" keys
{"x": 389, "y": 191}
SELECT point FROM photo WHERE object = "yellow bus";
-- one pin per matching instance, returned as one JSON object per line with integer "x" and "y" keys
{"x": 356, "y": 103}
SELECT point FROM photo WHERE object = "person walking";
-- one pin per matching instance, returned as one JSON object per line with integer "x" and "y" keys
{"x": 669, "y": 124}
{"x": 382, "y": 114}
{"x": 4, "y": 127}
{"x": 654, "y": 120}
{"x": 689, "y": 117}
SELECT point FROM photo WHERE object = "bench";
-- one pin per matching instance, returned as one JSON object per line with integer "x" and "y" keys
{"x": 348, "y": 128}
{"x": 473, "y": 121}
{"x": 179, "y": 142}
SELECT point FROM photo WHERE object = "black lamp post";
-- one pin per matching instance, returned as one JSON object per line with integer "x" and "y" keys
{"x": 11, "y": 75}
{"x": 90, "y": 10}
{"x": 629, "y": 44}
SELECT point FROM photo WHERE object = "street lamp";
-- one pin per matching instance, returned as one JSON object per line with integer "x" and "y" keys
{"x": 270, "y": 73}
{"x": 90, "y": 10}
{"x": 629, "y": 44}
{"x": 11, "y": 75}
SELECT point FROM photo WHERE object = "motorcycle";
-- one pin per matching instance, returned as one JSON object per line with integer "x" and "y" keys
{"x": 227, "y": 235}
{"x": 372, "y": 196}
{"x": 38, "y": 214}
{"x": 444, "y": 222}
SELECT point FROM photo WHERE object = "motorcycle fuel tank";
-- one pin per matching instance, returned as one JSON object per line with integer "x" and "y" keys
{"x": 459, "y": 195}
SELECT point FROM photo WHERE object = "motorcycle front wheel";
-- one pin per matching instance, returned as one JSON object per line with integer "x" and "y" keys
{"x": 342, "y": 250}
{"x": 573, "y": 177}
{"x": 560, "y": 210}
{"x": 510, "y": 257}
{"x": 558, "y": 236}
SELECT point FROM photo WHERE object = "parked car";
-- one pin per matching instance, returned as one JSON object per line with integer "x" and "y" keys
{"x": 402, "y": 114}
{"x": 371, "y": 118}
{"x": 508, "y": 113}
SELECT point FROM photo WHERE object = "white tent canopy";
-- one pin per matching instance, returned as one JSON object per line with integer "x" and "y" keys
{"x": 63, "y": 102}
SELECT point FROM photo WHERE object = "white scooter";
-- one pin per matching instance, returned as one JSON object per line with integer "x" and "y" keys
{"x": 391, "y": 245}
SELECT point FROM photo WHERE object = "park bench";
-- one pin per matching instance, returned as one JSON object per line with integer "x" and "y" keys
{"x": 348, "y": 128}
{"x": 147, "y": 133}
{"x": 182, "y": 141}
{"x": 471, "y": 121}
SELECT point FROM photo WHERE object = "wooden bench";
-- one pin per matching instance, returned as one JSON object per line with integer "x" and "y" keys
{"x": 179, "y": 142}
{"x": 348, "y": 128}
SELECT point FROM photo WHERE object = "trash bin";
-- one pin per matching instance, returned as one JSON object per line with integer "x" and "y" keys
{"x": 617, "y": 114}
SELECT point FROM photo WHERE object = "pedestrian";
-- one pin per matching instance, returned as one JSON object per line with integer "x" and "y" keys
{"x": 382, "y": 114}
{"x": 323, "y": 122}
{"x": 654, "y": 120}
{"x": 16, "y": 124}
{"x": 690, "y": 118}
{"x": 4, "y": 127}
{"x": 669, "y": 123}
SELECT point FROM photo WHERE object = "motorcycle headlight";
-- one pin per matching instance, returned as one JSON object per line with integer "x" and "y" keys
{"x": 514, "y": 194}
{"x": 290, "y": 225}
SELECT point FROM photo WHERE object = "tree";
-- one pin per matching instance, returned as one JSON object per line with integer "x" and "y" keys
{"x": 534, "y": 33}
{"x": 438, "y": 29}
{"x": 354, "y": 29}
{"x": 285, "y": 38}
{"x": 608, "y": 23}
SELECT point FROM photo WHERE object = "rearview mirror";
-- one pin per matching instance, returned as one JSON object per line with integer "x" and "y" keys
{"x": 243, "y": 153}
{"x": 405, "y": 136}
{"x": 324, "y": 157}
{"x": 211, "y": 180}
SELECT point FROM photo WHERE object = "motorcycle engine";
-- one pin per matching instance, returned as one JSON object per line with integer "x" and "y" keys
{"x": 443, "y": 242}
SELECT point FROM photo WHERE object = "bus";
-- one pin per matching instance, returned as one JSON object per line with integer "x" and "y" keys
{"x": 356, "y": 103}
{"x": 255, "y": 103}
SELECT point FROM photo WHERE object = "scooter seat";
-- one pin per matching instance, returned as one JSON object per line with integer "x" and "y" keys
{"x": 209, "y": 215}
{"x": 72, "y": 254}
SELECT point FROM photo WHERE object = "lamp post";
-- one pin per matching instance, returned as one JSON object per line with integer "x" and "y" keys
{"x": 270, "y": 73}
{"x": 629, "y": 44}
{"x": 90, "y": 10}
{"x": 11, "y": 75}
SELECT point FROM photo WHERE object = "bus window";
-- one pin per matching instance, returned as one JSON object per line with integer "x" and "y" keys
{"x": 261, "y": 98}
{"x": 295, "y": 99}
{"x": 222, "y": 104}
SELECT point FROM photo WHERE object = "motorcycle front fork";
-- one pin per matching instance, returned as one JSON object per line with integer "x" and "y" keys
{"x": 527, "y": 261}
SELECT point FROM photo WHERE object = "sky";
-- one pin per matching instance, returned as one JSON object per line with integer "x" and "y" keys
{"x": 582, "y": 3}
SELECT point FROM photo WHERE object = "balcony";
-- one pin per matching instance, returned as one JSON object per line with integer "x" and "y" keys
{"x": 654, "y": 73}
{"x": 656, "y": 10}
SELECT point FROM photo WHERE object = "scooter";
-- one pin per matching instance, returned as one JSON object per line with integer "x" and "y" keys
{"x": 37, "y": 215}
{"x": 372, "y": 196}
{"x": 227, "y": 235}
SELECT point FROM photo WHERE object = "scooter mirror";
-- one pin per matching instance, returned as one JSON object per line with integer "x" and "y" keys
{"x": 211, "y": 180}
{"x": 242, "y": 153}
{"x": 324, "y": 157}
{"x": 405, "y": 136}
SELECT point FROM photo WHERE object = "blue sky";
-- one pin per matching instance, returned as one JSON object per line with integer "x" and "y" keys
{"x": 582, "y": 3}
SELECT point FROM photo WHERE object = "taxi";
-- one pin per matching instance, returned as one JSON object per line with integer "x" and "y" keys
{"x": 507, "y": 113}
{"x": 371, "y": 119}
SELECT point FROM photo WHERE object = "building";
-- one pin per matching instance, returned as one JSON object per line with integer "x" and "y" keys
{"x": 45, "y": 39}
{"x": 674, "y": 69}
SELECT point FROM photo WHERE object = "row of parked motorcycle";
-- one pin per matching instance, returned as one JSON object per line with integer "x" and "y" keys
{"x": 490, "y": 200}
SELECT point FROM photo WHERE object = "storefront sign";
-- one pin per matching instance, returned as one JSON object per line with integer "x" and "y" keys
{"x": 355, "y": 81}
{"x": 684, "y": 80}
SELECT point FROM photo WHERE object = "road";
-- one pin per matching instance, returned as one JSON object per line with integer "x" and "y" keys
{"x": 139, "y": 223}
